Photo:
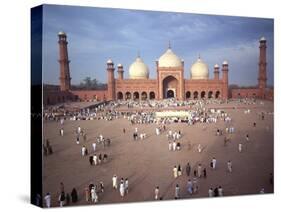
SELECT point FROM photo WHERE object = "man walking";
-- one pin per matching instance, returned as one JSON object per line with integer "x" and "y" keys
{"x": 177, "y": 191}
{"x": 205, "y": 173}
{"x": 122, "y": 189}
{"x": 61, "y": 132}
{"x": 126, "y": 185}
{"x": 214, "y": 163}
{"x": 91, "y": 160}
{"x": 240, "y": 147}
{"x": 95, "y": 159}
{"x": 199, "y": 170}
{"x": 211, "y": 192}
{"x": 189, "y": 187}
{"x": 94, "y": 195}
{"x": 188, "y": 169}
{"x": 156, "y": 193}
{"x": 94, "y": 145}
{"x": 48, "y": 200}
{"x": 220, "y": 190}
{"x": 114, "y": 182}
{"x": 175, "y": 172}
{"x": 229, "y": 166}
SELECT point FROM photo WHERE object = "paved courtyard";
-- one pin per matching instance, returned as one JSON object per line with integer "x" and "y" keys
{"x": 148, "y": 163}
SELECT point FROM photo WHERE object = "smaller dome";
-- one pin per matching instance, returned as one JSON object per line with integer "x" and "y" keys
{"x": 225, "y": 62}
{"x": 62, "y": 33}
{"x": 262, "y": 39}
{"x": 119, "y": 65}
{"x": 216, "y": 66}
{"x": 199, "y": 70}
{"x": 109, "y": 61}
{"x": 138, "y": 69}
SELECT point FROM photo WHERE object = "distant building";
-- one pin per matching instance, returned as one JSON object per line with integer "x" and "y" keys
{"x": 169, "y": 83}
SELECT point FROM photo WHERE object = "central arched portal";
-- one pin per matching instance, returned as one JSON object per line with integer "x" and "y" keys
{"x": 170, "y": 87}
{"x": 170, "y": 94}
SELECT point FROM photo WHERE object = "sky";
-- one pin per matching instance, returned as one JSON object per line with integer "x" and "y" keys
{"x": 97, "y": 34}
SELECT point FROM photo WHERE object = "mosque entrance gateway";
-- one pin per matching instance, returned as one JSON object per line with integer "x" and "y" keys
{"x": 170, "y": 94}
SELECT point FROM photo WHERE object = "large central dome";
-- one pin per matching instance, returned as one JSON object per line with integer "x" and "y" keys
{"x": 199, "y": 70}
{"x": 138, "y": 69}
{"x": 169, "y": 59}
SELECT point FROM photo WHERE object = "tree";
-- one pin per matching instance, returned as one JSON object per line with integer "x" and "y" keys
{"x": 90, "y": 84}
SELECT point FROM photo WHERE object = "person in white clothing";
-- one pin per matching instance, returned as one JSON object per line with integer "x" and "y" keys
{"x": 211, "y": 192}
{"x": 199, "y": 170}
{"x": 114, "y": 182}
{"x": 170, "y": 134}
{"x": 48, "y": 200}
{"x": 95, "y": 159}
{"x": 174, "y": 145}
{"x": 229, "y": 166}
{"x": 156, "y": 193}
{"x": 157, "y": 131}
{"x": 61, "y": 131}
{"x": 101, "y": 138}
{"x": 177, "y": 192}
{"x": 78, "y": 129}
{"x": 174, "y": 136}
{"x": 175, "y": 171}
{"x": 199, "y": 148}
{"x": 126, "y": 185}
{"x": 240, "y": 147}
{"x": 220, "y": 191}
{"x": 83, "y": 150}
{"x": 94, "y": 195}
{"x": 94, "y": 145}
{"x": 214, "y": 162}
{"x": 122, "y": 189}
{"x": 170, "y": 146}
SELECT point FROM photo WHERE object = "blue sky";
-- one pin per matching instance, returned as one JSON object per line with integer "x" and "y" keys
{"x": 96, "y": 34}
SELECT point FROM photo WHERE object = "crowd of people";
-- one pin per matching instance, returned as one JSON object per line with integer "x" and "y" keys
{"x": 199, "y": 113}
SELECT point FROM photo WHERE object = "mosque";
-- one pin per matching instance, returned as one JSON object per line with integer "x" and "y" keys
{"x": 169, "y": 83}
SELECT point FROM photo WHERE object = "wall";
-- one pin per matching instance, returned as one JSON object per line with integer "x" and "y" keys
{"x": 245, "y": 93}
{"x": 210, "y": 87}
{"x": 90, "y": 95}
{"x": 135, "y": 86}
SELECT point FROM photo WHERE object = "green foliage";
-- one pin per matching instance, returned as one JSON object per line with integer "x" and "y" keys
{"x": 90, "y": 84}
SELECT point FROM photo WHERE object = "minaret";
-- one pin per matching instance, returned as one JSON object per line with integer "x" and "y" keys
{"x": 157, "y": 80}
{"x": 65, "y": 78}
{"x": 182, "y": 89}
{"x": 120, "y": 71}
{"x": 110, "y": 80}
{"x": 216, "y": 72}
{"x": 262, "y": 67}
{"x": 225, "y": 79}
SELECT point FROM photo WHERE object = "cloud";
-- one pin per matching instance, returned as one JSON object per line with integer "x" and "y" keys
{"x": 95, "y": 34}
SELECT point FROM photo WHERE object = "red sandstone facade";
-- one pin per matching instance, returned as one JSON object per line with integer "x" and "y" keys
{"x": 170, "y": 82}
